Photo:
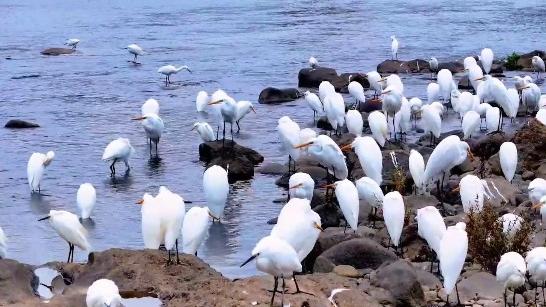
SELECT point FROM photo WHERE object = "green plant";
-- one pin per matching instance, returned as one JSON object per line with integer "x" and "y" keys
{"x": 511, "y": 62}
{"x": 487, "y": 242}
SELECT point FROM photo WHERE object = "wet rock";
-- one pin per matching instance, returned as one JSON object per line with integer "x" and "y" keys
{"x": 312, "y": 77}
{"x": 454, "y": 67}
{"x": 415, "y": 202}
{"x": 401, "y": 280}
{"x": 329, "y": 215}
{"x": 316, "y": 172}
{"x": 347, "y": 271}
{"x": 488, "y": 145}
{"x": 528, "y": 175}
{"x": 322, "y": 123}
{"x": 275, "y": 95}
{"x": 360, "y": 253}
{"x": 464, "y": 84}
{"x": 505, "y": 188}
{"x": 494, "y": 165}
{"x": 370, "y": 106}
{"x": 524, "y": 60}
{"x": 20, "y": 124}
{"x": 241, "y": 160}
{"x": 26, "y": 76}
{"x": 272, "y": 169}
{"x": 57, "y": 51}
{"x": 391, "y": 67}
{"x": 355, "y": 76}
{"x": 17, "y": 283}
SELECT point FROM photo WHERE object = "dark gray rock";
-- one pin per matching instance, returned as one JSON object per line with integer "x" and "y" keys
{"x": 390, "y": 67}
{"x": 312, "y": 77}
{"x": 525, "y": 59}
{"x": 276, "y": 95}
{"x": 20, "y": 124}
{"x": 400, "y": 278}
{"x": 58, "y": 51}
{"x": 454, "y": 67}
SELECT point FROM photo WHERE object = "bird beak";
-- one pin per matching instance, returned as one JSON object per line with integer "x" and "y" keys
{"x": 479, "y": 79}
{"x": 386, "y": 91}
{"x": 138, "y": 118}
{"x": 215, "y": 102}
{"x": 457, "y": 189}
{"x": 527, "y": 86}
{"x": 212, "y": 216}
{"x": 383, "y": 79}
{"x": 140, "y": 202}
{"x": 317, "y": 226}
{"x": 346, "y": 148}
{"x": 252, "y": 108}
{"x": 470, "y": 155}
{"x": 329, "y": 186}
{"x": 296, "y": 186}
{"x": 249, "y": 259}
{"x": 44, "y": 218}
{"x": 536, "y": 206}
{"x": 303, "y": 145}
{"x": 193, "y": 128}
{"x": 191, "y": 72}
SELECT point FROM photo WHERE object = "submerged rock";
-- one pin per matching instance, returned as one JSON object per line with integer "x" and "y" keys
{"x": 241, "y": 160}
{"x": 275, "y": 95}
{"x": 58, "y": 51}
{"x": 312, "y": 77}
{"x": 20, "y": 124}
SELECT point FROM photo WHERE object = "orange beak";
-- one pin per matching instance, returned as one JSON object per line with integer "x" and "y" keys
{"x": 329, "y": 186}
{"x": 317, "y": 226}
{"x": 470, "y": 155}
{"x": 480, "y": 79}
{"x": 296, "y": 186}
{"x": 303, "y": 145}
{"x": 215, "y": 102}
{"x": 457, "y": 189}
{"x": 140, "y": 202}
{"x": 346, "y": 148}
{"x": 536, "y": 206}
{"x": 138, "y": 118}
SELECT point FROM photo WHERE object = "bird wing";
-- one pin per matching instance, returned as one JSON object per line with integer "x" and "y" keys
{"x": 347, "y": 197}
{"x": 69, "y": 228}
{"x": 453, "y": 250}
{"x": 35, "y": 169}
{"x": 417, "y": 167}
{"x": 393, "y": 213}
{"x": 86, "y": 198}
{"x": 508, "y": 156}
{"x": 195, "y": 229}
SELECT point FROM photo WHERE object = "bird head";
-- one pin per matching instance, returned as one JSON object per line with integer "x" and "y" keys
{"x": 541, "y": 203}
{"x": 393, "y": 37}
{"x": 50, "y": 155}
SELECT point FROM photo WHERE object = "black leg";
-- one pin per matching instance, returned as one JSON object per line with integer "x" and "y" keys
{"x": 276, "y": 283}
{"x": 177, "y": 258}
{"x": 514, "y": 298}
{"x": 231, "y": 130}
{"x": 457, "y": 291}
{"x": 282, "y": 293}
{"x": 69, "y": 252}
{"x": 504, "y": 295}
{"x": 238, "y": 127}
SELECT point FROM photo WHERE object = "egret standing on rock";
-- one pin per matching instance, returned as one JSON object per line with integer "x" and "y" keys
{"x": 103, "y": 293}
{"x": 228, "y": 112}
{"x": 530, "y": 96}
{"x": 433, "y": 92}
{"x": 86, "y": 199}
{"x": 205, "y": 131}
{"x": 301, "y": 185}
{"x": 417, "y": 170}
{"x": 370, "y": 192}
{"x": 453, "y": 250}
{"x": 73, "y": 42}
{"x": 392, "y": 102}
{"x": 538, "y": 65}
{"x": 168, "y": 70}
{"x": 394, "y": 47}
{"x": 508, "y": 156}
{"x": 357, "y": 91}
{"x": 536, "y": 266}
{"x": 472, "y": 192}
{"x": 431, "y": 122}
{"x": 325, "y": 88}
{"x": 314, "y": 103}
{"x": 375, "y": 82}
{"x": 445, "y": 82}
{"x": 216, "y": 186}
{"x": 135, "y": 50}
{"x": 289, "y": 132}
{"x": 379, "y": 127}
{"x": 369, "y": 155}
{"x": 69, "y": 228}
{"x": 393, "y": 214}
{"x": 153, "y": 126}
{"x": 328, "y": 154}
{"x": 511, "y": 271}
{"x": 433, "y": 64}
{"x": 36, "y": 167}
{"x": 347, "y": 198}
{"x": 471, "y": 122}
{"x": 334, "y": 106}
{"x": 486, "y": 57}
{"x": 118, "y": 150}
{"x": 195, "y": 229}
{"x": 313, "y": 62}
{"x": 277, "y": 258}
{"x": 354, "y": 122}
{"x": 431, "y": 227}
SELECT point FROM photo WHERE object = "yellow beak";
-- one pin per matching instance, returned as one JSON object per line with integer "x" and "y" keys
{"x": 296, "y": 186}
{"x": 303, "y": 145}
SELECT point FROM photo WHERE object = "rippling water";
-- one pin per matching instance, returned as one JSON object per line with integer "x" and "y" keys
{"x": 85, "y": 100}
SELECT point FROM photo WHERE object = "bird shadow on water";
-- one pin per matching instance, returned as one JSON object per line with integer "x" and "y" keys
{"x": 154, "y": 165}
{"x": 39, "y": 203}
{"x": 120, "y": 182}
{"x": 88, "y": 223}
{"x": 218, "y": 240}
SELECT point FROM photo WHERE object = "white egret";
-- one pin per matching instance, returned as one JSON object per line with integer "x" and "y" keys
{"x": 3, "y": 244}
{"x": 469, "y": 62}
{"x": 508, "y": 155}
{"x": 314, "y": 103}
{"x": 471, "y": 122}
{"x": 369, "y": 155}
{"x": 357, "y": 92}
{"x": 453, "y": 250}
{"x": 440, "y": 108}
{"x": 486, "y": 58}
{"x": 73, "y": 42}
{"x": 168, "y": 70}
{"x": 216, "y": 187}
{"x": 493, "y": 119}
{"x": 103, "y": 292}
{"x": 313, "y": 62}
{"x": 301, "y": 185}
{"x": 538, "y": 65}
{"x": 36, "y": 167}
{"x": 289, "y": 132}
{"x": 195, "y": 229}
{"x": 454, "y": 99}
{"x": 243, "y": 107}
{"x": 327, "y": 152}
{"x": 347, "y": 198}
{"x": 472, "y": 192}
{"x": 135, "y": 50}
{"x": 205, "y": 131}
{"x": 511, "y": 271}
{"x": 536, "y": 266}
{"x": 541, "y": 116}
{"x": 402, "y": 118}
{"x": 511, "y": 224}
{"x": 370, "y": 192}
{"x": 415, "y": 106}
{"x": 392, "y": 102}
{"x": 354, "y": 122}
{"x": 393, "y": 213}
{"x": 475, "y": 76}
{"x": 334, "y": 106}
{"x": 542, "y": 102}
{"x": 433, "y": 92}
{"x": 445, "y": 81}
{"x": 541, "y": 205}
{"x": 277, "y": 258}
{"x": 394, "y": 47}
{"x": 201, "y": 101}
{"x": 69, "y": 228}
{"x": 150, "y": 106}
{"x": 530, "y": 96}
{"x": 153, "y": 126}
{"x": 431, "y": 122}
{"x": 86, "y": 199}
{"x": 465, "y": 103}
{"x": 431, "y": 227}
{"x": 513, "y": 102}
{"x": 375, "y": 81}
{"x": 325, "y": 88}
{"x": 433, "y": 64}
{"x": 536, "y": 189}
{"x": 395, "y": 82}
{"x": 215, "y": 108}
{"x": 118, "y": 150}
{"x": 379, "y": 127}
{"x": 228, "y": 112}
{"x": 417, "y": 170}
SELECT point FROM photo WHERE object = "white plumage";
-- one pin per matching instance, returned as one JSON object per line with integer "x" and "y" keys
{"x": 168, "y": 70}
{"x": 201, "y": 101}
{"x": 354, "y": 121}
{"x": 69, "y": 228}
{"x": 150, "y": 106}
{"x": 417, "y": 169}
{"x": 538, "y": 64}
{"x": 511, "y": 271}
{"x": 370, "y": 157}
{"x": 325, "y": 88}
{"x": 216, "y": 186}
{"x": 508, "y": 155}
{"x": 445, "y": 81}
{"x": 103, "y": 292}
{"x": 402, "y": 118}
{"x": 327, "y": 152}
{"x": 530, "y": 96}
{"x": 393, "y": 214}
{"x": 195, "y": 229}
{"x": 449, "y": 153}
{"x": 313, "y": 62}
{"x": 486, "y": 58}
{"x": 472, "y": 192}
{"x": 313, "y": 101}
{"x": 471, "y": 122}
{"x": 536, "y": 189}
{"x": 243, "y": 107}
{"x": 465, "y": 103}
{"x": 431, "y": 120}
{"x": 347, "y": 198}
{"x": 511, "y": 224}
{"x": 536, "y": 264}
{"x": 453, "y": 250}
{"x": 475, "y": 76}
{"x": 205, "y": 131}
{"x": 301, "y": 185}
{"x": 492, "y": 119}
{"x": 433, "y": 92}
{"x": 3, "y": 244}
{"x": 369, "y": 192}
{"x": 334, "y": 106}
{"x": 35, "y": 168}
{"x": 375, "y": 81}
{"x": 357, "y": 91}
{"x": 118, "y": 150}
{"x": 73, "y": 42}
{"x": 469, "y": 62}
{"x": 153, "y": 126}
{"x": 431, "y": 227}
{"x": 379, "y": 127}
{"x": 394, "y": 47}
{"x": 135, "y": 50}
{"x": 395, "y": 82}
{"x": 541, "y": 116}
{"x": 86, "y": 199}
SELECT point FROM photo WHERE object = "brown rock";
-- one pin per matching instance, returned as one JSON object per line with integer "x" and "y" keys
{"x": 312, "y": 77}
{"x": 347, "y": 271}
{"x": 525, "y": 59}
{"x": 481, "y": 283}
{"x": 401, "y": 280}
{"x": 17, "y": 283}
{"x": 529, "y": 140}
{"x": 528, "y": 175}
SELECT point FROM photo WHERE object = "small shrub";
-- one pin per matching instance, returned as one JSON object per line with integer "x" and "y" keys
{"x": 398, "y": 175}
{"x": 512, "y": 62}
{"x": 487, "y": 242}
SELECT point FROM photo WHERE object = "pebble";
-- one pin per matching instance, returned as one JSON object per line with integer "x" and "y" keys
{"x": 347, "y": 271}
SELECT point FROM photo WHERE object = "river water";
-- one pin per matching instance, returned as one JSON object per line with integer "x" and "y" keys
{"x": 85, "y": 100}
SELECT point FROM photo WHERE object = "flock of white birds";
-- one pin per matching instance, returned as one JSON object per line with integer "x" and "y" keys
{"x": 165, "y": 220}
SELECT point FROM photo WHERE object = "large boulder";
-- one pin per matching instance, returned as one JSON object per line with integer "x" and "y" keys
{"x": 312, "y": 77}
{"x": 480, "y": 285}
{"x": 241, "y": 160}
{"x": 531, "y": 144}
{"x": 57, "y": 51}
{"x": 400, "y": 278}
{"x": 17, "y": 283}
{"x": 357, "y": 77}
{"x": 524, "y": 60}
{"x": 361, "y": 253}
{"x": 454, "y": 67}
{"x": 390, "y": 67}
{"x": 276, "y": 95}
{"x": 20, "y": 124}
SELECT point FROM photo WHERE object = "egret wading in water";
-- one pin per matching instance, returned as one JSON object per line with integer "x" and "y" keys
{"x": 216, "y": 186}
{"x": 169, "y": 70}
{"x": 73, "y": 42}
{"x": 394, "y": 47}
{"x": 103, "y": 293}
{"x": 118, "y": 150}
{"x": 135, "y": 50}
{"x": 228, "y": 113}
{"x": 69, "y": 228}
{"x": 277, "y": 258}
{"x": 242, "y": 108}
{"x": 36, "y": 167}
{"x": 86, "y": 199}
{"x": 153, "y": 126}
{"x": 195, "y": 229}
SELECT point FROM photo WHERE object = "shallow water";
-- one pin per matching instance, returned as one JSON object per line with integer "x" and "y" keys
{"x": 85, "y": 100}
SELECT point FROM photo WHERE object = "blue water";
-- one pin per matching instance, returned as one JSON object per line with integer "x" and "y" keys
{"x": 85, "y": 100}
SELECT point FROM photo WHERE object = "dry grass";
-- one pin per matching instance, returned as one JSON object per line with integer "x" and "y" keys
{"x": 487, "y": 242}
